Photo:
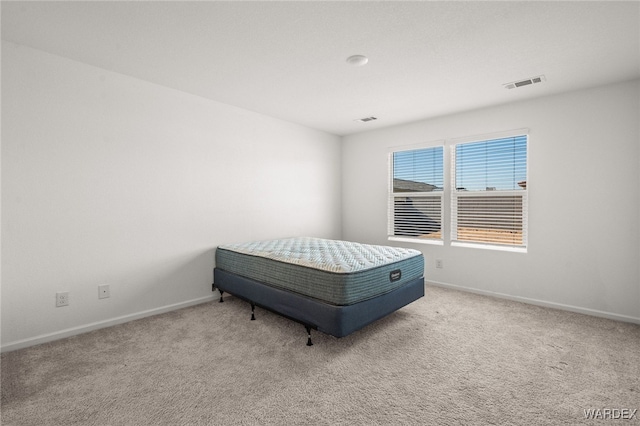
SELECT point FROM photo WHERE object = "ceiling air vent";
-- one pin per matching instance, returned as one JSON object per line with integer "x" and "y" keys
{"x": 366, "y": 119}
{"x": 528, "y": 81}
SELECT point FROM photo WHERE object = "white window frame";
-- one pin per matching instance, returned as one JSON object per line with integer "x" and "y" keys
{"x": 391, "y": 222}
{"x": 449, "y": 195}
{"x": 457, "y": 194}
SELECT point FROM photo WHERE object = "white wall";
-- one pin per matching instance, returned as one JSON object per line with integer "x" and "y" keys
{"x": 584, "y": 195}
{"x": 107, "y": 179}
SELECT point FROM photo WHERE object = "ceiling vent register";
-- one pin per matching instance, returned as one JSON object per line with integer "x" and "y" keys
{"x": 527, "y": 82}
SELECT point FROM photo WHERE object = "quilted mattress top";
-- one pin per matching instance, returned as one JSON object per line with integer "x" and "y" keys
{"x": 327, "y": 255}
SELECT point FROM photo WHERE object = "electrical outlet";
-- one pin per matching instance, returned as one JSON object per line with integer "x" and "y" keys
{"x": 62, "y": 299}
{"x": 104, "y": 291}
{"x": 439, "y": 264}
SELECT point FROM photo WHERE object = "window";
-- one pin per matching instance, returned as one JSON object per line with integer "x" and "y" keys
{"x": 489, "y": 195}
{"x": 416, "y": 189}
{"x": 482, "y": 203}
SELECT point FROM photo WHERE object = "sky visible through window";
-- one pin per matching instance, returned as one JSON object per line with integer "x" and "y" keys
{"x": 420, "y": 165}
{"x": 497, "y": 164}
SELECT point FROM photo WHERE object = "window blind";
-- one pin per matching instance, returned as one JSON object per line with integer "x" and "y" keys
{"x": 489, "y": 199}
{"x": 416, "y": 188}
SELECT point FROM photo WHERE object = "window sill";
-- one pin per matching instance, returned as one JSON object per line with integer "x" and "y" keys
{"x": 489, "y": 247}
{"x": 417, "y": 240}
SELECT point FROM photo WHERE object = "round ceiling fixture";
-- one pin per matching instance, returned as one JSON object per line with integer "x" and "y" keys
{"x": 357, "y": 60}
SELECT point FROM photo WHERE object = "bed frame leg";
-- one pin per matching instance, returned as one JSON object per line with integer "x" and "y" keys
{"x": 309, "y": 343}
{"x": 253, "y": 307}
{"x": 220, "y": 301}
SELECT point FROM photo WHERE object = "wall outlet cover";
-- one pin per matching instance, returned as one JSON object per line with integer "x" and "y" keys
{"x": 62, "y": 298}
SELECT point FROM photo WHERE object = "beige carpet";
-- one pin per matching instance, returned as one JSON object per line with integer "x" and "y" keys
{"x": 451, "y": 358}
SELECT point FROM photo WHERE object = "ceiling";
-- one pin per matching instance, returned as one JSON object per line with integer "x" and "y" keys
{"x": 288, "y": 59}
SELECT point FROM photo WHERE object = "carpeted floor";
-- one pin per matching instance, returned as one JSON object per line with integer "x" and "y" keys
{"x": 450, "y": 358}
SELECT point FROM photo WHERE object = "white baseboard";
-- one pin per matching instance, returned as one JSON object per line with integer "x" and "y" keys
{"x": 44, "y": 338}
{"x": 544, "y": 303}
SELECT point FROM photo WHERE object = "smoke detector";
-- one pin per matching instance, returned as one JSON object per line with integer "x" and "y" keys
{"x": 526, "y": 82}
{"x": 357, "y": 60}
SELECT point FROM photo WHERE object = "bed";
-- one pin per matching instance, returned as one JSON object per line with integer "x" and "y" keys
{"x": 336, "y": 287}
